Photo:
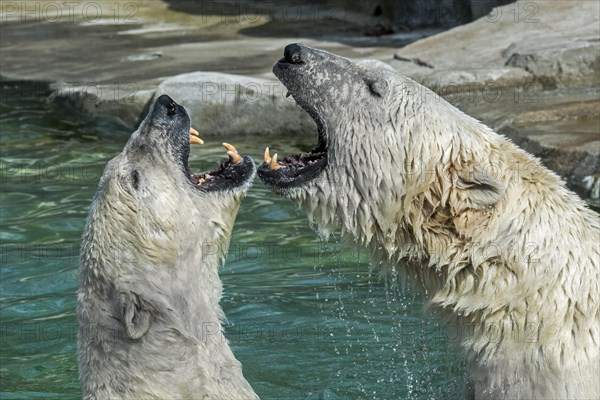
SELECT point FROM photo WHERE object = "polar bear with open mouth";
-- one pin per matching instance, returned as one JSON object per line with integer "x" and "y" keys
{"x": 500, "y": 246}
{"x": 148, "y": 302}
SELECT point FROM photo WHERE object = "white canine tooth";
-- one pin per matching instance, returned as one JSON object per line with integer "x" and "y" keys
{"x": 196, "y": 140}
{"x": 230, "y": 147}
{"x": 273, "y": 163}
{"x": 207, "y": 176}
{"x": 235, "y": 157}
{"x": 267, "y": 156}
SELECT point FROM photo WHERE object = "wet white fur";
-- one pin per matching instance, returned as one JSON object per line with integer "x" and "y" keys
{"x": 502, "y": 249}
{"x": 160, "y": 248}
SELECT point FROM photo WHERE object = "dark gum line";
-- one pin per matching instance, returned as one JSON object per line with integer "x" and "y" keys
{"x": 215, "y": 173}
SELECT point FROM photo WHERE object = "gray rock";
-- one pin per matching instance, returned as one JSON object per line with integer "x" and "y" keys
{"x": 558, "y": 61}
{"x": 592, "y": 184}
{"x": 500, "y": 69}
{"x": 446, "y": 82}
{"x": 125, "y": 102}
{"x": 522, "y": 35}
{"x": 218, "y": 103}
{"x": 232, "y": 104}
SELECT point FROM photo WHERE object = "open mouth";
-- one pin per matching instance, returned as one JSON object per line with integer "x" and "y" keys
{"x": 293, "y": 171}
{"x": 297, "y": 170}
{"x": 229, "y": 174}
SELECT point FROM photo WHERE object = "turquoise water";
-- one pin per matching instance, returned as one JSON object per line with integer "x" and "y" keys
{"x": 305, "y": 317}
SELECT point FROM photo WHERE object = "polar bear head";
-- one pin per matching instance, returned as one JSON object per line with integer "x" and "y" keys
{"x": 150, "y": 207}
{"x": 385, "y": 147}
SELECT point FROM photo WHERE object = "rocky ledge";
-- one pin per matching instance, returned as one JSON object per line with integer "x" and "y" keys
{"x": 530, "y": 70}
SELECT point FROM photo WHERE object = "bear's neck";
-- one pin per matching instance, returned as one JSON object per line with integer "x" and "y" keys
{"x": 185, "y": 340}
{"x": 494, "y": 274}
{"x": 503, "y": 287}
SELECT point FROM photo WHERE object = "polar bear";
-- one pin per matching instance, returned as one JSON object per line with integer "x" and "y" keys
{"x": 148, "y": 301}
{"x": 501, "y": 248}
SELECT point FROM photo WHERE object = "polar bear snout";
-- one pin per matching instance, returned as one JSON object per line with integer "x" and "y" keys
{"x": 166, "y": 118}
{"x": 292, "y": 54}
{"x": 170, "y": 106}
{"x": 165, "y": 107}
{"x": 327, "y": 87}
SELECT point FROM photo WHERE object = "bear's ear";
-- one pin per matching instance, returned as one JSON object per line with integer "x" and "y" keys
{"x": 478, "y": 190}
{"x": 135, "y": 315}
{"x": 373, "y": 75}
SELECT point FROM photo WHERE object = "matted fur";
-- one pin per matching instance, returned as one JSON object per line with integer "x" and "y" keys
{"x": 148, "y": 303}
{"x": 502, "y": 249}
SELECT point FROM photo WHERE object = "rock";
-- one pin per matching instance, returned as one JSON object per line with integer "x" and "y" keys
{"x": 401, "y": 15}
{"x": 124, "y": 102}
{"x": 233, "y": 104}
{"x": 522, "y": 35}
{"x": 449, "y": 82}
{"x": 145, "y": 40}
{"x": 565, "y": 110}
{"x": 558, "y": 61}
{"x": 218, "y": 103}
{"x": 592, "y": 184}
{"x": 529, "y": 70}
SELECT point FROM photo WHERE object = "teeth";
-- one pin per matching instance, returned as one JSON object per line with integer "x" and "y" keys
{"x": 232, "y": 153}
{"x": 196, "y": 140}
{"x": 234, "y": 156}
{"x": 267, "y": 156}
{"x": 288, "y": 94}
{"x": 230, "y": 147}
{"x": 273, "y": 163}
{"x": 204, "y": 178}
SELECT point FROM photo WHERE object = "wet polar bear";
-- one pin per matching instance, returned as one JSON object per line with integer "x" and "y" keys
{"x": 148, "y": 302}
{"x": 502, "y": 249}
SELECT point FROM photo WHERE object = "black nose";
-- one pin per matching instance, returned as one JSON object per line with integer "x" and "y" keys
{"x": 293, "y": 54}
{"x": 165, "y": 100}
{"x": 168, "y": 103}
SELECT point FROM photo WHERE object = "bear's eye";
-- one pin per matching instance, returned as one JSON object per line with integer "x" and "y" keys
{"x": 135, "y": 179}
{"x": 373, "y": 87}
